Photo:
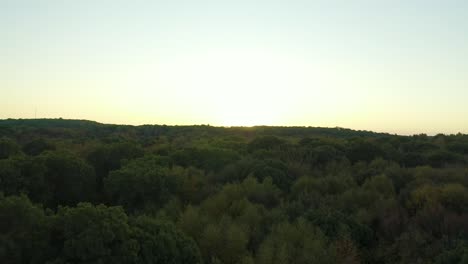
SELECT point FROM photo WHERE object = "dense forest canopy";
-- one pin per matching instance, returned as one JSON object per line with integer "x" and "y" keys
{"x": 75, "y": 191}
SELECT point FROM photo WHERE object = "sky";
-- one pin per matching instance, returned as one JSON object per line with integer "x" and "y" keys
{"x": 389, "y": 66}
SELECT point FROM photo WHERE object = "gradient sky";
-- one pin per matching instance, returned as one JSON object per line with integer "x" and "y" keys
{"x": 392, "y": 66}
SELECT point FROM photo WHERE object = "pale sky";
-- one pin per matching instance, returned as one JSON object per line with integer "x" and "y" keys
{"x": 390, "y": 66}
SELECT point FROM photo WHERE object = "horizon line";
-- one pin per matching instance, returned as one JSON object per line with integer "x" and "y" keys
{"x": 237, "y": 126}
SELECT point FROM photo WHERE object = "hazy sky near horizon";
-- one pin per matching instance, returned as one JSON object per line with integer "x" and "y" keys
{"x": 389, "y": 66}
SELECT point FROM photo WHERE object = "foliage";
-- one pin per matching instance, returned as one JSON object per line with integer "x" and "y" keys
{"x": 74, "y": 191}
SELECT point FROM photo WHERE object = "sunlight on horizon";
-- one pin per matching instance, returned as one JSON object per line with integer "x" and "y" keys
{"x": 238, "y": 88}
{"x": 397, "y": 67}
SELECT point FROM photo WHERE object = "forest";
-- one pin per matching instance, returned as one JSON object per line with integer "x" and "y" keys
{"x": 77, "y": 191}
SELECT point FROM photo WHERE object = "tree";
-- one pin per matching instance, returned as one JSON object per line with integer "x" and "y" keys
{"x": 163, "y": 243}
{"x": 322, "y": 155}
{"x": 297, "y": 242}
{"x": 191, "y": 222}
{"x": 93, "y": 234}
{"x": 362, "y": 150}
{"x": 441, "y": 158}
{"x": 11, "y": 180}
{"x": 106, "y": 158}
{"x": 69, "y": 178}
{"x": 206, "y": 158}
{"x": 226, "y": 242}
{"x": 37, "y": 146}
{"x": 346, "y": 252}
{"x": 192, "y": 185}
{"x": 455, "y": 197}
{"x": 22, "y": 174}
{"x": 24, "y": 231}
{"x": 139, "y": 184}
{"x": 8, "y": 148}
{"x": 265, "y": 143}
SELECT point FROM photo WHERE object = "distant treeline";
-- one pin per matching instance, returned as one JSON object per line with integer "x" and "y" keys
{"x": 75, "y": 191}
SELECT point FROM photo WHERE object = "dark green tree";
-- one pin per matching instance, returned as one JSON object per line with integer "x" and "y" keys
{"x": 139, "y": 184}
{"x": 8, "y": 147}
{"x": 24, "y": 232}
{"x": 70, "y": 179}
{"x": 163, "y": 243}
{"x": 106, "y": 158}
{"x": 93, "y": 234}
{"x": 37, "y": 146}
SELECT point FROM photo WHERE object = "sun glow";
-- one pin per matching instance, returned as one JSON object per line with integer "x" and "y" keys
{"x": 247, "y": 113}
{"x": 237, "y": 88}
